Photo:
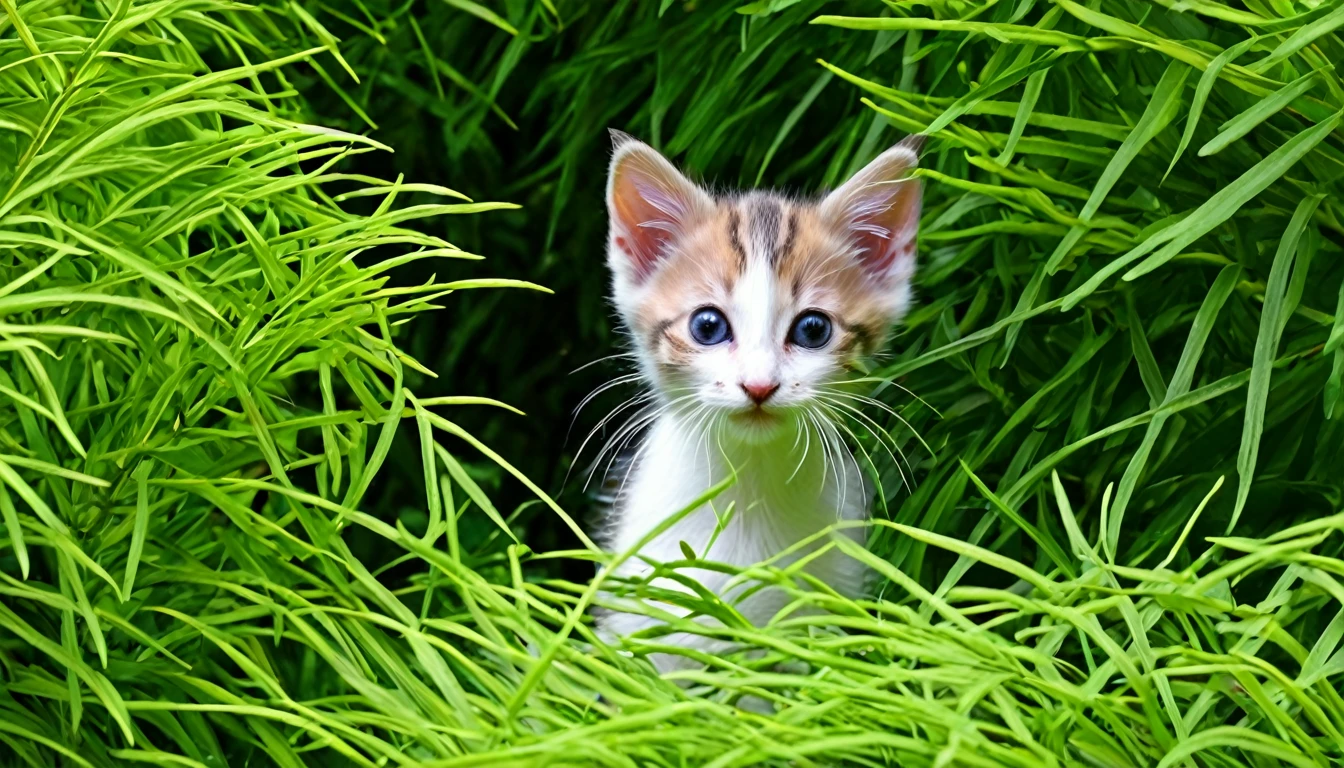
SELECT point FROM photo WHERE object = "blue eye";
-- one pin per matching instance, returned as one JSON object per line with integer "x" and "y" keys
{"x": 811, "y": 330}
{"x": 710, "y": 327}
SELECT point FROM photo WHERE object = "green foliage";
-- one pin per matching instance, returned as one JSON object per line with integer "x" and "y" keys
{"x": 243, "y": 525}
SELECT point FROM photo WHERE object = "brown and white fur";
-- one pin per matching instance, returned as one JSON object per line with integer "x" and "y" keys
{"x": 755, "y": 404}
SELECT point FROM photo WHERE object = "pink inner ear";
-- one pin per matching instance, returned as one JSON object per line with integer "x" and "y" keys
{"x": 884, "y": 218}
{"x": 647, "y": 210}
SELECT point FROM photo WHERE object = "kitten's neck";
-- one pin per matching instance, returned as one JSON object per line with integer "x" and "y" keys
{"x": 783, "y": 490}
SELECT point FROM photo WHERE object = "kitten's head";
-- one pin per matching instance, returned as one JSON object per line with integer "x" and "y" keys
{"x": 748, "y": 306}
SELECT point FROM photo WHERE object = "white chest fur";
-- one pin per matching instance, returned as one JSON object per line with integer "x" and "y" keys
{"x": 786, "y": 490}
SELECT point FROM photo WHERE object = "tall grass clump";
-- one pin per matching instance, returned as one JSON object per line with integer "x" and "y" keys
{"x": 237, "y": 531}
{"x": 201, "y": 380}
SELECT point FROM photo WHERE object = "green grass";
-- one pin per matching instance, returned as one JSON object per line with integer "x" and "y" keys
{"x": 242, "y": 525}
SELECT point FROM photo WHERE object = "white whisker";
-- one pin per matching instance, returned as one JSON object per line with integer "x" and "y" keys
{"x": 882, "y": 443}
{"x": 879, "y": 434}
{"x": 637, "y": 399}
{"x": 616, "y": 382}
{"x": 628, "y": 431}
{"x": 805, "y": 430}
{"x": 588, "y": 365}
{"x": 879, "y": 404}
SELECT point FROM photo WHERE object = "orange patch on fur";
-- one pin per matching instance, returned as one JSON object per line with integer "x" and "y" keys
{"x": 701, "y": 268}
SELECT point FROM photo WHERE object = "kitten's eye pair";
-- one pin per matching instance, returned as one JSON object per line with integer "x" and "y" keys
{"x": 811, "y": 329}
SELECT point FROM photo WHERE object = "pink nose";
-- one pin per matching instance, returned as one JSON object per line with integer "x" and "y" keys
{"x": 761, "y": 392}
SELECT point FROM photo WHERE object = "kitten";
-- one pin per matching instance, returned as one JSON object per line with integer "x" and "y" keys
{"x": 744, "y": 311}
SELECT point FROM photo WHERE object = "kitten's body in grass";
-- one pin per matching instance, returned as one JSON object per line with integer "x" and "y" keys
{"x": 745, "y": 312}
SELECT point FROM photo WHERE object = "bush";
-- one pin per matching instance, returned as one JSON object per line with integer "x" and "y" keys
{"x": 242, "y": 524}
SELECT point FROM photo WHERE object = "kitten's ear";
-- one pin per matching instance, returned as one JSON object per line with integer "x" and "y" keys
{"x": 879, "y": 208}
{"x": 649, "y": 203}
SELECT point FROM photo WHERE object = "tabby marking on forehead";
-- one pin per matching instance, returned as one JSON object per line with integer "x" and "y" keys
{"x": 765, "y": 214}
{"x": 735, "y": 237}
{"x": 790, "y": 235}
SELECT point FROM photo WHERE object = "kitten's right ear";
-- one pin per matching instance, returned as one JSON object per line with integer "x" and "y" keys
{"x": 880, "y": 207}
{"x": 649, "y": 202}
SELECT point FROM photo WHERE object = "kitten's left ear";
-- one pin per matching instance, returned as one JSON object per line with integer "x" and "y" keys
{"x": 879, "y": 208}
{"x": 650, "y": 204}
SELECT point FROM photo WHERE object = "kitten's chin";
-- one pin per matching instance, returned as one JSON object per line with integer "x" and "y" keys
{"x": 757, "y": 426}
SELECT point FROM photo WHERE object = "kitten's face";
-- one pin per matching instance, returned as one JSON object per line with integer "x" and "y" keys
{"x": 747, "y": 308}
